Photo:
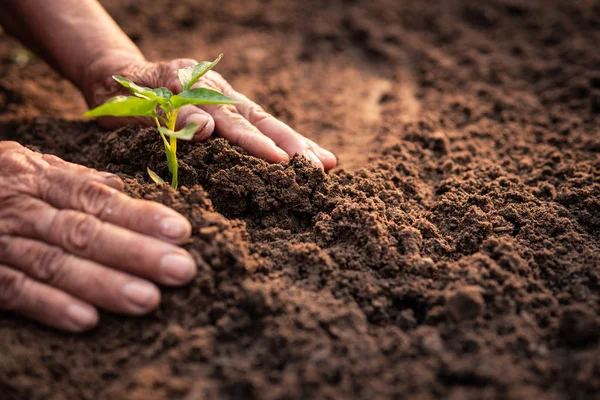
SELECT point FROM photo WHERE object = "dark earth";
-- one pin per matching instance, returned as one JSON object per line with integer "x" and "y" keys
{"x": 453, "y": 254}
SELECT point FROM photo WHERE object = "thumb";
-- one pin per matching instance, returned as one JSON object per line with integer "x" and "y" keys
{"x": 189, "y": 114}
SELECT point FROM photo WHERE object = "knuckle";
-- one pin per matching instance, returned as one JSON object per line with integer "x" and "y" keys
{"x": 11, "y": 287}
{"x": 41, "y": 262}
{"x": 93, "y": 197}
{"x": 16, "y": 213}
{"x": 48, "y": 266}
{"x": 78, "y": 231}
{"x": 9, "y": 145}
{"x": 15, "y": 162}
{"x": 230, "y": 110}
{"x": 255, "y": 113}
{"x": 10, "y": 249}
{"x": 4, "y": 247}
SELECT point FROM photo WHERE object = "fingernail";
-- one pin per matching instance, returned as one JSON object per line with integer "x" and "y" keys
{"x": 314, "y": 159}
{"x": 326, "y": 157}
{"x": 80, "y": 317}
{"x": 175, "y": 228}
{"x": 200, "y": 119}
{"x": 112, "y": 180}
{"x": 203, "y": 121}
{"x": 177, "y": 268}
{"x": 285, "y": 156}
{"x": 326, "y": 154}
{"x": 143, "y": 295}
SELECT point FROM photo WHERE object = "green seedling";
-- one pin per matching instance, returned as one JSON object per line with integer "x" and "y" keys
{"x": 148, "y": 102}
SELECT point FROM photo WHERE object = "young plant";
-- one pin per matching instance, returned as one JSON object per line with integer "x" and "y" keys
{"x": 147, "y": 102}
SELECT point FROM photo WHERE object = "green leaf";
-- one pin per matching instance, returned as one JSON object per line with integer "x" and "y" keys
{"x": 162, "y": 95}
{"x": 125, "y": 106}
{"x": 201, "y": 96}
{"x": 190, "y": 75}
{"x": 186, "y": 133}
{"x": 154, "y": 176}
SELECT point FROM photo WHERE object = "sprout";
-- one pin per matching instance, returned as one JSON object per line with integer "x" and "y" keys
{"x": 146, "y": 102}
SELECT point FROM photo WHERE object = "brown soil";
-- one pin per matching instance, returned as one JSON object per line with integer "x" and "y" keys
{"x": 455, "y": 254}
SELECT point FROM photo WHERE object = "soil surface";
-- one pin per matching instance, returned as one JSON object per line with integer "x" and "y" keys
{"x": 454, "y": 254}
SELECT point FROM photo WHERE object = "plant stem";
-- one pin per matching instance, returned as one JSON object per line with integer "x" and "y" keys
{"x": 174, "y": 164}
{"x": 172, "y": 118}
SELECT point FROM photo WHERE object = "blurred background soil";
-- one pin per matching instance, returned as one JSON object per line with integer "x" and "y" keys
{"x": 453, "y": 254}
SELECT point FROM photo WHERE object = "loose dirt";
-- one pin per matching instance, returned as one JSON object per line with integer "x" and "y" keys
{"x": 454, "y": 254}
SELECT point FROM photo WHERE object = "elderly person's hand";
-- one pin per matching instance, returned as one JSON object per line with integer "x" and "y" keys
{"x": 246, "y": 124}
{"x": 71, "y": 241}
{"x": 82, "y": 42}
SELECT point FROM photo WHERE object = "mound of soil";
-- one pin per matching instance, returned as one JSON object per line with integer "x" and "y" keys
{"x": 455, "y": 254}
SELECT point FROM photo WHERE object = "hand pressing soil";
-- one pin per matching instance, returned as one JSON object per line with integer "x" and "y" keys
{"x": 71, "y": 241}
{"x": 245, "y": 124}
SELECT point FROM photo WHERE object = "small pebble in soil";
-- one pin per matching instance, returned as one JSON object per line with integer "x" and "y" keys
{"x": 465, "y": 303}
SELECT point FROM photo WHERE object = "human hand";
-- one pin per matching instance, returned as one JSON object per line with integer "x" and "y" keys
{"x": 71, "y": 241}
{"x": 246, "y": 124}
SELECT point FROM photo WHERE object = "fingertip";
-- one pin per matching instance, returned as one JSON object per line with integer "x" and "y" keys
{"x": 178, "y": 268}
{"x": 329, "y": 165}
{"x": 81, "y": 317}
{"x": 175, "y": 228}
{"x": 273, "y": 154}
{"x": 329, "y": 162}
{"x": 142, "y": 297}
{"x": 283, "y": 156}
{"x": 313, "y": 159}
{"x": 205, "y": 123}
{"x": 112, "y": 180}
{"x": 328, "y": 159}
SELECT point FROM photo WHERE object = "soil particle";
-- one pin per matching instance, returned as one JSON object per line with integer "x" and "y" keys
{"x": 466, "y": 303}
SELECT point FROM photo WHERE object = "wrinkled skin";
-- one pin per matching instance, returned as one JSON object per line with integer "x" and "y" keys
{"x": 71, "y": 241}
{"x": 246, "y": 124}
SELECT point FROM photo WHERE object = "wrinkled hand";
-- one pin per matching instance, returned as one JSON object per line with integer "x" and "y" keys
{"x": 246, "y": 124}
{"x": 71, "y": 241}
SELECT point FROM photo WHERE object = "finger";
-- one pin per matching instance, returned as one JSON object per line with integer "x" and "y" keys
{"x": 96, "y": 284}
{"x": 45, "y": 304}
{"x": 239, "y": 131}
{"x": 189, "y": 114}
{"x": 79, "y": 193}
{"x": 11, "y": 144}
{"x": 328, "y": 159}
{"x": 86, "y": 236}
{"x": 106, "y": 178}
{"x": 283, "y": 135}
